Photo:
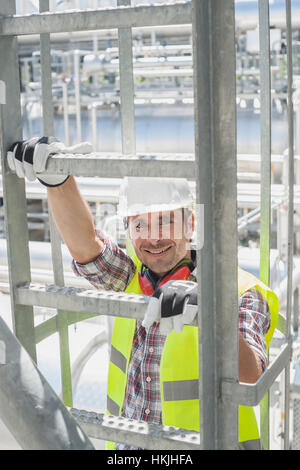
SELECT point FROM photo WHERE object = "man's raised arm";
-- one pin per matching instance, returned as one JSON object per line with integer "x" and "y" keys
{"x": 74, "y": 220}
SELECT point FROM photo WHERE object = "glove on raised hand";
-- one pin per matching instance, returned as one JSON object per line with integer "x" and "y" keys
{"x": 174, "y": 305}
{"x": 28, "y": 158}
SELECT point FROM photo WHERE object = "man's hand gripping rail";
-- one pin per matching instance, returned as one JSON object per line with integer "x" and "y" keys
{"x": 28, "y": 158}
{"x": 173, "y": 305}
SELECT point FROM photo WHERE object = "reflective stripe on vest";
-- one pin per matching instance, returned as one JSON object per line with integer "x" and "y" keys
{"x": 118, "y": 359}
{"x": 179, "y": 385}
{"x": 112, "y": 407}
{"x": 181, "y": 390}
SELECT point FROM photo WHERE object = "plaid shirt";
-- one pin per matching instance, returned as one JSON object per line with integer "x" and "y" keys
{"x": 113, "y": 270}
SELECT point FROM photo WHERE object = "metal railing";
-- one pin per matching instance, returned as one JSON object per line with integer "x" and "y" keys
{"x": 215, "y": 171}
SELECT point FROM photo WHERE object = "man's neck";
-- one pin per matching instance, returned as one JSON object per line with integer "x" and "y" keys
{"x": 190, "y": 255}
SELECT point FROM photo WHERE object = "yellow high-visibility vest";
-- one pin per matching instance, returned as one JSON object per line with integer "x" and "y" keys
{"x": 179, "y": 369}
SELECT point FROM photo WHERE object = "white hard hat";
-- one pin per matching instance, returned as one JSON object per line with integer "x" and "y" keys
{"x": 141, "y": 195}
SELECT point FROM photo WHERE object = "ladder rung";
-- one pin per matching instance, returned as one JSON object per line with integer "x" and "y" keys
{"x": 82, "y": 300}
{"x": 85, "y": 20}
{"x": 114, "y": 165}
{"x": 252, "y": 394}
{"x": 136, "y": 433}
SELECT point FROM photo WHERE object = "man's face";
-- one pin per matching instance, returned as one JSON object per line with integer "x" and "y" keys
{"x": 160, "y": 239}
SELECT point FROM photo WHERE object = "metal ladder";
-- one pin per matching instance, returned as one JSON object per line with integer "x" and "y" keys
{"x": 215, "y": 172}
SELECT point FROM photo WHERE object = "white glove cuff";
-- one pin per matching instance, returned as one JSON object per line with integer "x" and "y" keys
{"x": 152, "y": 313}
{"x": 52, "y": 181}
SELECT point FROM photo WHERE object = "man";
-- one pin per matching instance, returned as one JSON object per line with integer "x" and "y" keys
{"x": 153, "y": 371}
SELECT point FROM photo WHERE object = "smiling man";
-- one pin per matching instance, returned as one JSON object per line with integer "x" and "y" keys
{"x": 153, "y": 371}
{"x": 155, "y": 241}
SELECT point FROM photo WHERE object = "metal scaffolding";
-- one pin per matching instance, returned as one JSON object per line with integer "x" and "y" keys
{"x": 214, "y": 168}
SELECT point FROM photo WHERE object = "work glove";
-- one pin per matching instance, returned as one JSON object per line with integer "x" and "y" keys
{"x": 174, "y": 305}
{"x": 28, "y": 158}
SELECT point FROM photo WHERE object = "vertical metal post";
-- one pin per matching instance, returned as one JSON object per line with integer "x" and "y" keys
{"x": 14, "y": 187}
{"x": 265, "y": 92}
{"x": 46, "y": 78}
{"x": 54, "y": 234}
{"x": 126, "y": 87}
{"x": 216, "y": 176}
{"x": 48, "y": 129}
{"x": 94, "y": 126}
{"x": 265, "y": 135}
{"x": 296, "y": 312}
{"x": 290, "y": 217}
{"x": 66, "y": 112}
{"x": 282, "y": 240}
{"x": 76, "y": 65}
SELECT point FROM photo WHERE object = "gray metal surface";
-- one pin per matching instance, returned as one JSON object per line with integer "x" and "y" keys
{"x": 124, "y": 17}
{"x": 126, "y": 87}
{"x": 48, "y": 130}
{"x": 46, "y": 75}
{"x": 117, "y": 166}
{"x": 141, "y": 434}
{"x": 29, "y": 407}
{"x": 56, "y": 252}
{"x": 296, "y": 424}
{"x": 246, "y": 19}
{"x": 265, "y": 194}
{"x": 296, "y": 407}
{"x": 76, "y": 58}
{"x": 290, "y": 235}
{"x": 265, "y": 138}
{"x": 296, "y": 311}
{"x": 82, "y": 300}
{"x": 13, "y": 187}
{"x": 215, "y": 144}
{"x": 252, "y": 394}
